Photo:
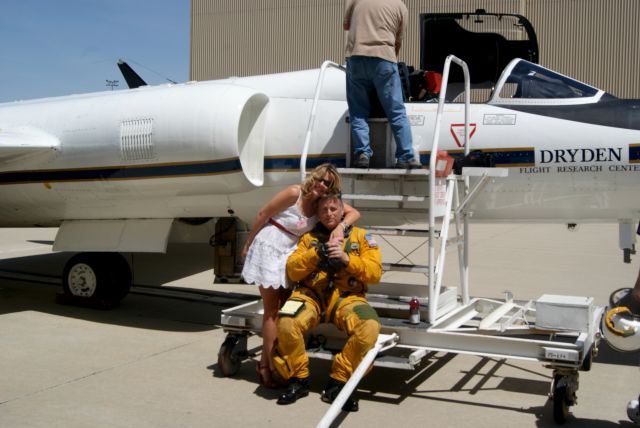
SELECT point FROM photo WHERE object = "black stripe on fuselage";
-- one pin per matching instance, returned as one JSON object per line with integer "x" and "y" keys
{"x": 509, "y": 157}
{"x": 503, "y": 157}
{"x": 614, "y": 112}
{"x": 132, "y": 172}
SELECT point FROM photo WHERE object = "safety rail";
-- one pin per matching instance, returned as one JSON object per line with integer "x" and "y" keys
{"x": 384, "y": 342}
{"x": 312, "y": 118}
{"x": 435, "y": 277}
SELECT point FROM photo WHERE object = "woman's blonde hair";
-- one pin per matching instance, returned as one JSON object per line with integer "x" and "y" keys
{"x": 317, "y": 174}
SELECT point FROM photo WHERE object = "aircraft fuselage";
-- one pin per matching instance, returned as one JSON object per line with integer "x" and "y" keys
{"x": 214, "y": 148}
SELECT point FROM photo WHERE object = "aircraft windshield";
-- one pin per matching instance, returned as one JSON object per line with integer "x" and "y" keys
{"x": 529, "y": 81}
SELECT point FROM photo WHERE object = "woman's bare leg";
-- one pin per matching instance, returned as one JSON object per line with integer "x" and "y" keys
{"x": 271, "y": 302}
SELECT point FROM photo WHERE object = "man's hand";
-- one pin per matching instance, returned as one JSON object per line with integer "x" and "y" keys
{"x": 334, "y": 250}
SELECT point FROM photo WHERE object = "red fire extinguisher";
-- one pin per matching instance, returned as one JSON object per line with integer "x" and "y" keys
{"x": 444, "y": 163}
{"x": 414, "y": 311}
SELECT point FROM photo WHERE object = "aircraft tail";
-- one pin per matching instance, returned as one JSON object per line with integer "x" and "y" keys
{"x": 132, "y": 78}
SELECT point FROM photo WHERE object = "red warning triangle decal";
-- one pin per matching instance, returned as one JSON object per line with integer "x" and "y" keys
{"x": 457, "y": 130}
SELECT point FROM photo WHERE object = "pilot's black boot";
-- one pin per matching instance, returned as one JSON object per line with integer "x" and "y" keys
{"x": 297, "y": 388}
{"x": 332, "y": 390}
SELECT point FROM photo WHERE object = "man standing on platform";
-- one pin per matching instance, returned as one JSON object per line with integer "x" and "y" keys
{"x": 376, "y": 29}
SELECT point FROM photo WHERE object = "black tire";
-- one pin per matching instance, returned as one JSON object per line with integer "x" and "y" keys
{"x": 560, "y": 402}
{"x": 228, "y": 361}
{"x": 99, "y": 276}
{"x": 587, "y": 363}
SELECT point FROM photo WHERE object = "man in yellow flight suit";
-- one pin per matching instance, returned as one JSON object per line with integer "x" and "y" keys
{"x": 332, "y": 278}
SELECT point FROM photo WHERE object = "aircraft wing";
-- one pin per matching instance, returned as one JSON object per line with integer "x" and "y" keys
{"x": 23, "y": 142}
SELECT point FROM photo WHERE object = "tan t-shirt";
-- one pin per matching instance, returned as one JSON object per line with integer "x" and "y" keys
{"x": 375, "y": 28}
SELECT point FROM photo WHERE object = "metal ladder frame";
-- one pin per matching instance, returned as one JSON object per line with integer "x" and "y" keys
{"x": 435, "y": 271}
{"x": 479, "y": 326}
{"x": 434, "y": 278}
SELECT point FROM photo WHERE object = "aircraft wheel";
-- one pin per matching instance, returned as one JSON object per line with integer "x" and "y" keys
{"x": 101, "y": 276}
{"x": 232, "y": 351}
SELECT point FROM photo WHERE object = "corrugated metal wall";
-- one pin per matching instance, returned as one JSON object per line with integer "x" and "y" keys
{"x": 246, "y": 37}
{"x": 595, "y": 41}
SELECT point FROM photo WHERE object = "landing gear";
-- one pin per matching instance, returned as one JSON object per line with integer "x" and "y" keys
{"x": 232, "y": 351}
{"x": 563, "y": 393}
{"x": 96, "y": 279}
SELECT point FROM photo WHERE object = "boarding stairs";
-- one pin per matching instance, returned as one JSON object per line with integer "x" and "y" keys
{"x": 442, "y": 198}
{"x": 385, "y": 193}
{"x": 450, "y": 320}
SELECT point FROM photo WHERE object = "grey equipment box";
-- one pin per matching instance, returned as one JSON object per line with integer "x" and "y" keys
{"x": 564, "y": 312}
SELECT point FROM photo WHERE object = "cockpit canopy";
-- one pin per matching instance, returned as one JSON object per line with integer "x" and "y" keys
{"x": 523, "y": 82}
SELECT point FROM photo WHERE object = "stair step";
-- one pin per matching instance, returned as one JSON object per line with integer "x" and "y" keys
{"x": 377, "y": 173}
{"x": 393, "y": 210}
{"x": 384, "y": 198}
{"x": 489, "y": 172}
{"x": 394, "y": 231}
{"x": 401, "y": 267}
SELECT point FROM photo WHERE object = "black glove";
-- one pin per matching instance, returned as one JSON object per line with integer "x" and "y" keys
{"x": 326, "y": 264}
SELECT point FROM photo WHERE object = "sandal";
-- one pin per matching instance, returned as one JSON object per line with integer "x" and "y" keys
{"x": 264, "y": 375}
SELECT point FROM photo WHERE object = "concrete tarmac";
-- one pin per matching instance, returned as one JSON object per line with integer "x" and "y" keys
{"x": 152, "y": 361}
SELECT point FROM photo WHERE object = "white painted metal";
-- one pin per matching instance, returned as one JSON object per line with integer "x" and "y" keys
{"x": 391, "y": 173}
{"x": 312, "y": 116}
{"x": 397, "y": 231}
{"x": 384, "y": 342}
{"x": 486, "y": 327}
{"x": 389, "y": 198}
{"x": 139, "y": 235}
{"x": 432, "y": 280}
{"x": 25, "y": 142}
{"x": 208, "y": 121}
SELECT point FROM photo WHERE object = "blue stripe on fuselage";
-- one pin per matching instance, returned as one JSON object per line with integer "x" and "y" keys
{"x": 634, "y": 153}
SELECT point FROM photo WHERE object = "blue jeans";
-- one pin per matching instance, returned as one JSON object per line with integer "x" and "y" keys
{"x": 365, "y": 74}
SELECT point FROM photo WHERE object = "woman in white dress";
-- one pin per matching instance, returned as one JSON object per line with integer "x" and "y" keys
{"x": 273, "y": 237}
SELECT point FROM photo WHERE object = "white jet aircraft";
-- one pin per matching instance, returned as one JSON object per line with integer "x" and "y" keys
{"x": 115, "y": 169}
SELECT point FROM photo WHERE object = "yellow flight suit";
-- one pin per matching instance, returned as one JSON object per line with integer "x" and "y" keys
{"x": 344, "y": 305}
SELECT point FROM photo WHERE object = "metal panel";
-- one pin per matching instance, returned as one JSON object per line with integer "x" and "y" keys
{"x": 591, "y": 40}
{"x": 132, "y": 235}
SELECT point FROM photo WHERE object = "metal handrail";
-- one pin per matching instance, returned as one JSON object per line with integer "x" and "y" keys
{"x": 433, "y": 282}
{"x": 312, "y": 117}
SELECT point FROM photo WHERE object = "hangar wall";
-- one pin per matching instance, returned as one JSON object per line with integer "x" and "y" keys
{"x": 595, "y": 41}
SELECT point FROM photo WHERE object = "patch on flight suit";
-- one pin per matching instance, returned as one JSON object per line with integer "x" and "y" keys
{"x": 372, "y": 242}
{"x": 354, "y": 248}
{"x": 366, "y": 312}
